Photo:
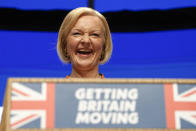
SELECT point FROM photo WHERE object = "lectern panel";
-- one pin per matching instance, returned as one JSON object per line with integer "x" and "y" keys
{"x": 109, "y": 104}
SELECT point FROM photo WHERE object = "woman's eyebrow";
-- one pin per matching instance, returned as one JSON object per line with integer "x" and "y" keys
{"x": 75, "y": 29}
{"x": 93, "y": 30}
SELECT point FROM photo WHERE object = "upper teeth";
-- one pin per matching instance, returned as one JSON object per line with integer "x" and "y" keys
{"x": 84, "y": 51}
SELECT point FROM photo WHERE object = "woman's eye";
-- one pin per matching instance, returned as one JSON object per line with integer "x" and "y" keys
{"x": 76, "y": 33}
{"x": 95, "y": 34}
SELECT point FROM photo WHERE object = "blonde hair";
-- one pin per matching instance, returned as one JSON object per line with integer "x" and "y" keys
{"x": 69, "y": 22}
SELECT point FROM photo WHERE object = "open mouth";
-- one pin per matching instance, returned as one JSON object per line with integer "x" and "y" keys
{"x": 84, "y": 52}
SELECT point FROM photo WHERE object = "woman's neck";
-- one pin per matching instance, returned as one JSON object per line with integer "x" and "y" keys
{"x": 85, "y": 73}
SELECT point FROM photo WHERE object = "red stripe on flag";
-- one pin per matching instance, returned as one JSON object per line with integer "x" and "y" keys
{"x": 24, "y": 119}
{"x": 20, "y": 92}
{"x": 189, "y": 94}
{"x": 51, "y": 105}
{"x": 169, "y": 105}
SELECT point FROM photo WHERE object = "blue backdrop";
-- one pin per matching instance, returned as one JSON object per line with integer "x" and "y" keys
{"x": 101, "y": 5}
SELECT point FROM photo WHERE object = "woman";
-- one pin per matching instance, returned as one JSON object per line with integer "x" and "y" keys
{"x": 84, "y": 40}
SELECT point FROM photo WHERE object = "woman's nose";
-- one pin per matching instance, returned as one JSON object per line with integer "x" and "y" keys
{"x": 85, "y": 39}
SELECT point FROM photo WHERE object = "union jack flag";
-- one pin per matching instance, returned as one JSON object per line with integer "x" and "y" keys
{"x": 180, "y": 105}
{"x": 32, "y": 104}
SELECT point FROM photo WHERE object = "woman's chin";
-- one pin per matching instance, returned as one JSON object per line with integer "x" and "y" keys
{"x": 85, "y": 64}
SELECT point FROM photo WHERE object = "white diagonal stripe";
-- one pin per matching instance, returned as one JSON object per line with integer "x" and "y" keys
{"x": 33, "y": 95}
{"x": 185, "y": 115}
{"x": 178, "y": 97}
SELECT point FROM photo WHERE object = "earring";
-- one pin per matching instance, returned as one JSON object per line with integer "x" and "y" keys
{"x": 66, "y": 55}
{"x": 102, "y": 56}
{"x": 102, "y": 53}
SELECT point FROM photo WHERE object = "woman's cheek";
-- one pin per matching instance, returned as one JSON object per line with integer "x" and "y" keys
{"x": 72, "y": 44}
{"x": 99, "y": 45}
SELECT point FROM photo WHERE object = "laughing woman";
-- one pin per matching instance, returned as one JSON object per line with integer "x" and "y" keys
{"x": 84, "y": 41}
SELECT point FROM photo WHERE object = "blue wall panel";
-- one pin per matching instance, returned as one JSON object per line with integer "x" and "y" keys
{"x": 154, "y": 47}
{"x": 43, "y": 4}
{"x": 117, "y": 5}
{"x": 101, "y": 5}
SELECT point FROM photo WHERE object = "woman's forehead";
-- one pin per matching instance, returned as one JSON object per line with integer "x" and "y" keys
{"x": 89, "y": 21}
